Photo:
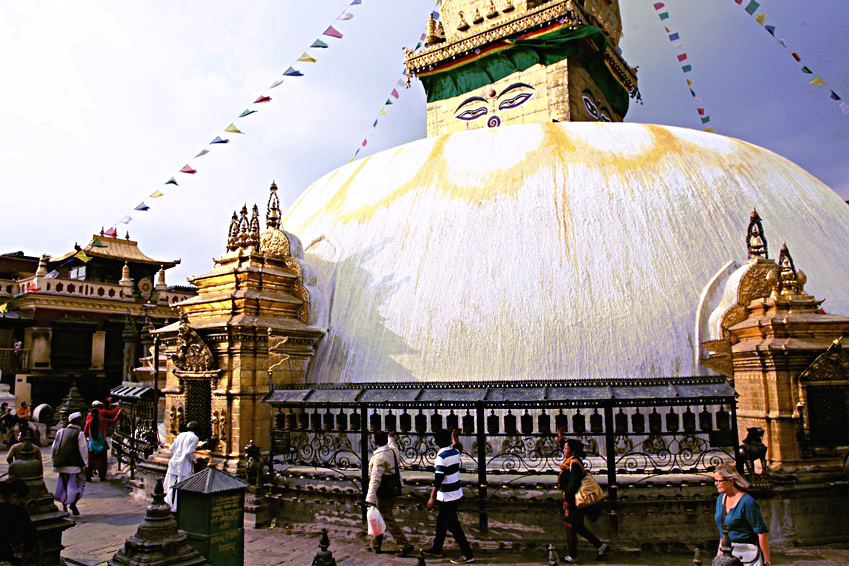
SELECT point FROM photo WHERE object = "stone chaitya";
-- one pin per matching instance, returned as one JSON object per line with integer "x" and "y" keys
{"x": 250, "y": 325}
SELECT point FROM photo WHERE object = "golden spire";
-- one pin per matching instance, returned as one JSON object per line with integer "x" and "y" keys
{"x": 272, "y": 215}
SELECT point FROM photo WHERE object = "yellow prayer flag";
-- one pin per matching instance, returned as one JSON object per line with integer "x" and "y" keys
{"x": 81, "y": 255}
{"x": 667, "y": 29}
{"x": 710, "y": 129}
{"x": 306, "y": 58}
{"x": 233, "y": 129}
{"x": 4, "y": 307}
{"x": 383, "y": 112}
{"x": 157, "y": 194}
{"x": 689, "y": 83}
{"x": 761, "y": 19}
{"x": 817, "y": 81}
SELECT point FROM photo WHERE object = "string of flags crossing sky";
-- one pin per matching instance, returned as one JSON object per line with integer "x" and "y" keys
{"x": 752, "y": 8}
{"x": 685, "y": 62}
{"x": 290, "y": 73}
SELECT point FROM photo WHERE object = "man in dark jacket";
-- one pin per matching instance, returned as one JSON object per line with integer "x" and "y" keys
{"x": 17, "y": 532}
{"x": 70, "y": 458}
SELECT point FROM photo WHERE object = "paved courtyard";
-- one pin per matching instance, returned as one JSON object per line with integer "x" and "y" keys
{"x": 109, "y": 515}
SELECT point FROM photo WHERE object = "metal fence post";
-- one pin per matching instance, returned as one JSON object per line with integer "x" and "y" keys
{"x": 612, "y": 488}
{"x": 738, "y": 456}
{"x": 364, "y": 455}
{"x": 482, "y": 491}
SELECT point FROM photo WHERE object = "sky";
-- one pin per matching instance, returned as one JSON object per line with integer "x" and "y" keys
{"x": 103, "y": 102}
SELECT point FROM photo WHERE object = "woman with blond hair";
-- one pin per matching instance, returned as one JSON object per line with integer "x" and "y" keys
{"x": 741, "y": 514}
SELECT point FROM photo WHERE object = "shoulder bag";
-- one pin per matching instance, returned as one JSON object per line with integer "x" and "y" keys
{"x": 390, "y": 484}
{"x": 749, "y": 554}
{"x": 589, "y": 493}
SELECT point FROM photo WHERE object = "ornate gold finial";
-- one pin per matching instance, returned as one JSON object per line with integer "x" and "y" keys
{"x": 233, "y": 234}
{"x": 755, "y": 240}
{"x": 160, "y": 279}
{"x": 790, "y": 280}
{"x": 128, "y": 235}
{"x": 272, "y": 215}
{"x": 508, "y": 7}
{"x": 462, "y": 26}
{"x": 430, "y": 31}
{"x": 253, "y": 234}
{"x": 492, "y": 12}
{"x": 440, "y": 36}
{"x": 244, "y": 228}
{"x": 477, "y": 19}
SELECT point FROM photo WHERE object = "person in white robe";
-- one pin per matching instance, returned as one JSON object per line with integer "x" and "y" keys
{"x": 182, "y": 462}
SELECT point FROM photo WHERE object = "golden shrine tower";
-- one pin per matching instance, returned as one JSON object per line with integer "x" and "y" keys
{"x": 491, "y": 62}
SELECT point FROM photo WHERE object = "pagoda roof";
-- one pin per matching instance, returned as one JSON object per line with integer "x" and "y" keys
{"x": 119, "y": 249}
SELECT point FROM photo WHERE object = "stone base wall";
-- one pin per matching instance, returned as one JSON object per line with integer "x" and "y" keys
{"x": 653, "y": 516}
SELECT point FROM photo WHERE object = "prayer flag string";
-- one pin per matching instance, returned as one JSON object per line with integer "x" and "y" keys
{"x": 264, "y": 98}
{"x": 685, "y": 62}
{"x": 751, "y": 7}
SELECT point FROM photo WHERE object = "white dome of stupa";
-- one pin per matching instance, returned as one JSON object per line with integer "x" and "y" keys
{"x": 559, "y": 250}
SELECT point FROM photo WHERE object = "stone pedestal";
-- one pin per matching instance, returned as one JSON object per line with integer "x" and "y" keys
{"x": 158, "y": 542}
{"x": 48, "y": 520}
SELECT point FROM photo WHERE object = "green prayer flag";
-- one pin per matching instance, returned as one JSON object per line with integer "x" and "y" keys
{"x": 664, "y": 15}
{"x": 687, "y": 68}
{"x": 807, "y": 70}
{"x": 752, "y": 7}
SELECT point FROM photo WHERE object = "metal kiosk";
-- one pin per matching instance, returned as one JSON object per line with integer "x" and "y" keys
{"x": 210, "y": 509}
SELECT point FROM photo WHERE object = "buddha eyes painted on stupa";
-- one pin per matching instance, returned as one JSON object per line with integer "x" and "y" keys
{"x": 510, "y": 98}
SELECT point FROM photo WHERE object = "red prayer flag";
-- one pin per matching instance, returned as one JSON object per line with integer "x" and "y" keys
{"x": 796, "y": 56}
{"x": 659, "y": 5}
{"x": 394, "y": 94}
{"x": 332, "y": 32}
{"x": 188, "y": 169}
{"x": 365, "y": 143}
{"x": 701, "y": 111}
{"x": 739, "y": 2}
{"x": 262, "y": 99}
{"x": 32, "y": 287}
{"x": 682, "y": 57}
{"x": 112, "y": 233}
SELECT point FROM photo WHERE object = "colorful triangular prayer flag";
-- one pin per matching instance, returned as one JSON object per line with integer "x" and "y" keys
{"x": 667, "y": 29}
{"x": 365, "y": 142}
{"x": 247, "y": 112}
{"x": 355, "y": 3}
{"x": 262, "y": 99}
{"x": 682, "y": 57}
{"x": 112, "y": 232}
{"x": 388, "y": 102}
{"x": 796, "y": 56}
{"x": 761, "y": 18}
{"x": 834, "y": 96}
{"x": 345, "y": 16}
{"x": 394, "y": 94}
{"x": 233, "y": 129}
{"x": 844, "y": 107}
{"x": 687, "y": 68}
{"x": 319, "y": 44}
{"x": 706, "y": 119}
{"x": 219, "y": 139}
{"x": 701, "y": 111}
{"x": 739, "y": 2}
{"x": 383, "y": 112}
{"x": 81, "y": 255}
{"x": 710, "y": 129}
{"x": 664, "y": 15}
{"x": 658, "y": 5}
{"x": 126, "y": 220}
{"x": 292, "y": 72}
{"x": 332, "y": 32}
{"x": 402, "y": 81}
{"x": 157, "y": 194}
{"x": 187, "y": 169}
{"x": 275, "y": 84}
{"x": 807, "y": 70}
{"x": 52, "y": 275}
{"x": 752, "y": 7}
{"x": 142, "y": 206}
{"x": 4, "y": 307}
{"x": 173, "y": 181}
{"x": 33, "y": 287}
{"x": 771, "y": 30}
{"x": 692, "y": 93}
{"x": 96, "y": 243}
{"x": 674, "y": 37}
{"x": 306, "y": 58}
{"x": 375, "y": 124}
{"x": 201, "y": 153}
{"x": 817, "y": 81}
{"x": 689, "y": 83}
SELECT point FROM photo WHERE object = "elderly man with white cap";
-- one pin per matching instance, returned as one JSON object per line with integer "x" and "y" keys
{"x": 70, "y": 457}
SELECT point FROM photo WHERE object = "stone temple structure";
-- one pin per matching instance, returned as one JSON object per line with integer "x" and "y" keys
{"x": 532, "y": 235}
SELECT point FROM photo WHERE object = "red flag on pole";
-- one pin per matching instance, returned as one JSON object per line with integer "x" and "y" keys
{"x": 262, "y": 99}
{"x": 332, "y": 32}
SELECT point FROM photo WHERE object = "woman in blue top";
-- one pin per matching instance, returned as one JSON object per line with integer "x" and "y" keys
{"x": 747, "y": 529}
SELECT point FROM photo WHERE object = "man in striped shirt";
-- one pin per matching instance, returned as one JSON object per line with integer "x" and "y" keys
{"x": 447, "y": 492}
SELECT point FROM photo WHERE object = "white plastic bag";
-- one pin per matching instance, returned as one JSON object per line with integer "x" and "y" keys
{"x": 376, "y": 524}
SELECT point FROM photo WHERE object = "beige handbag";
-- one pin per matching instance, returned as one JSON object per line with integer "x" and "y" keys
{"x": 589, "y": 493}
